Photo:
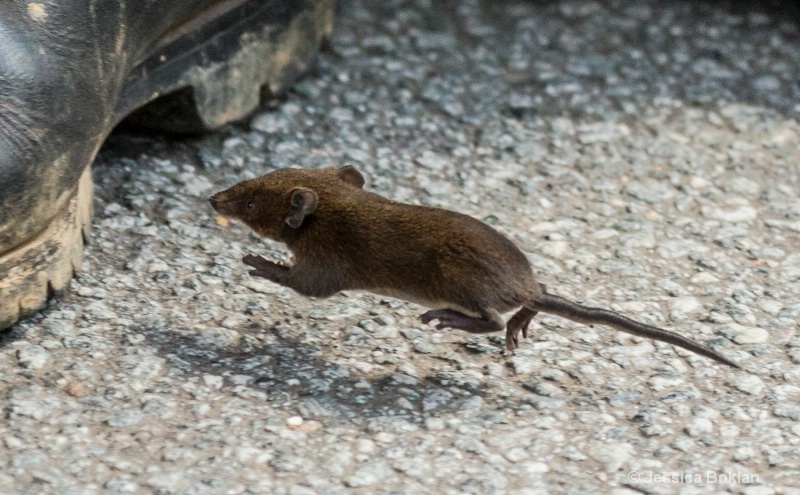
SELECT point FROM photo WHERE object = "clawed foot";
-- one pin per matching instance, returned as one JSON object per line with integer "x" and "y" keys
{"x": 264, "y": 268}
{"x": 449, "y": 318}
{"x": 512, "y": 336}
{"x": 516, "y": 325}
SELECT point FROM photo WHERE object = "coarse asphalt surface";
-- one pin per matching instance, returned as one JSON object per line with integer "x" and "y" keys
{"x": 644, "y": 155}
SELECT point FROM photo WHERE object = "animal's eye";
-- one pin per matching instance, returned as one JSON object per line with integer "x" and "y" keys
{"x": 250, "y": 205}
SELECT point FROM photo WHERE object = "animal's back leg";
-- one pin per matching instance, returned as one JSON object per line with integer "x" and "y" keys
{"x": 490, "y": 320}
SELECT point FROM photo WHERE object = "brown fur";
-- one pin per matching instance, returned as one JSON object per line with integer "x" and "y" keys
{"x": 347, "y": 238}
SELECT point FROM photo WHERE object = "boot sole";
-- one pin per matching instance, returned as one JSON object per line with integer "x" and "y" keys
{"x": 187, "y": 83}
{"x": 213, "y": 88}
{"x": 43, "y": 267}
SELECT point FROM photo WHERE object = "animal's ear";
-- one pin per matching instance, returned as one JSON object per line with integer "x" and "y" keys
{"x": 304, "y": 202}
{"x": 349, "y": 174}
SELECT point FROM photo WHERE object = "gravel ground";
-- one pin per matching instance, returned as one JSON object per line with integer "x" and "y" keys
{"x": 643, "y": 154}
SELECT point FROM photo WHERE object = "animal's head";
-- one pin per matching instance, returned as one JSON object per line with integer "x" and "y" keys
{"x": 283, "y": 199}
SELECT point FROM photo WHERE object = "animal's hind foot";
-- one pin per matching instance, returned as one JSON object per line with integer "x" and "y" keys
{"x": 491, "y": 321}
{"x": 518, "y": 323}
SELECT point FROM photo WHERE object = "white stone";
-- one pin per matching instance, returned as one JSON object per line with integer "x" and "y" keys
{"x": 252, "y": 455}
{"x": 214, "y": 382}
{"x": 704, "y": 278}
{"x": 432, "y": 161}
{"x": 686, "y": 304}
{"x": 369, "y": 475}
{"x": 157, "y": 266}
{"x": 294, "y": 421}
{"x": 365, "y": 446}
{"x": 748, "y": 335}
{"x": 750, "y": 384}
{"x": 699, "y": 427}
{"x": 736, "y": 213}
{"x": 33, "y": 357}
{"x": 496, "y": 370}
{"x": 515, "y": 454}
{"x": 613, "y": 456}
{"x": 434, "y": 424}
{"x": 385, "y": 437}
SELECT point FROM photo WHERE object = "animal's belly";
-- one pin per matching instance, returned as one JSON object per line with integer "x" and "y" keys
{"x": 424, "y": 302}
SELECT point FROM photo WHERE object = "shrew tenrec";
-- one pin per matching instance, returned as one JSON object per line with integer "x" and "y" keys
{"x": 345, "y": 238}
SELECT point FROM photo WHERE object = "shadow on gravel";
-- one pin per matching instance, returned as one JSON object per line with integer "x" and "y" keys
{"x": 271, "y": 360}
{"x": 294, "y": 375}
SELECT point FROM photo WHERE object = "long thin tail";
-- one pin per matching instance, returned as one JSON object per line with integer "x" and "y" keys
{"x": 565, "y": 308}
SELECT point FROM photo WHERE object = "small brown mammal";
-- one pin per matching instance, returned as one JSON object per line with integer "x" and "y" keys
{"x": 345, "y": 238}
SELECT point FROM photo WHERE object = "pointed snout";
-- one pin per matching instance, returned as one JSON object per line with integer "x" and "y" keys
{"x": 223, "y": 204}
{"x": 215, "y": 201}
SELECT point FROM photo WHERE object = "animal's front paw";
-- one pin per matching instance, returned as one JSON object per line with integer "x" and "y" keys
{"x": 257, "y": 262}
{"x": 264, "y": 268}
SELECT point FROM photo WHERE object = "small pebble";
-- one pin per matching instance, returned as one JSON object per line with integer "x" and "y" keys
{"x": 33, "y": 357}
{"x": 76, "y": 389}
{"x": 699, "y": 427}
{"x": 750, "y": 384}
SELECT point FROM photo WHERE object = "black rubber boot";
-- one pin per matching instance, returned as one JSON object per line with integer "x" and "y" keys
{"x": 71, "y": 70}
